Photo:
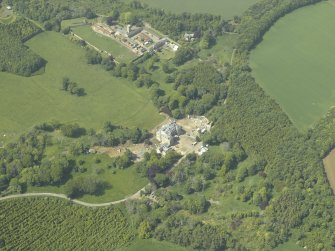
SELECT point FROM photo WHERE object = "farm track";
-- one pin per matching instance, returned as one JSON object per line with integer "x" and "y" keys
{"x": 232, "y": 57}
{"x": 79, "y": 202}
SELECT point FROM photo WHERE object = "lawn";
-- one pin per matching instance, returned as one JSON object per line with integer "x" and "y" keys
{"x": 295, "y": 63}
{"x": 25, "y": 102}
{"x": 120, "y": 52}
{"x": 227, "y": 8}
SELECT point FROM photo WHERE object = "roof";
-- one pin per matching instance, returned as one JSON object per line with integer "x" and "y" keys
{"x": 170, "y": 129}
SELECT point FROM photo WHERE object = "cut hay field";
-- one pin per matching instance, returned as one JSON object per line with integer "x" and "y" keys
{"x": 295, "y": 63}
{"x": 227, "y": 8}
{"x": 25, "y": 102}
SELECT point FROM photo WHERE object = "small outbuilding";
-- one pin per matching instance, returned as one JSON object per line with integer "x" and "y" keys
{"x": 9, "y": 7}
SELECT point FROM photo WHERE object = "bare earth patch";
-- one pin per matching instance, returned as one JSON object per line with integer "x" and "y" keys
{"x": 186, "y": 144}
{"x": 329, "y": 164}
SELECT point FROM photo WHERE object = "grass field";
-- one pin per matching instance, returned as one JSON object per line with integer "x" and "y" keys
{"x": 227, "y": 8}
{"x": 295, "y": 63}
{"x": 119, "y": 52}
{"x": 25, "y": 102}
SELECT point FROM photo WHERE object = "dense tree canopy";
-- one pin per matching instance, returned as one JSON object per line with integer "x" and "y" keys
{"x": 15, "y": 57}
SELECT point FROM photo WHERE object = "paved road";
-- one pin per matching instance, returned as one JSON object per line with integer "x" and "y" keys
{"x": 63, "y": 196}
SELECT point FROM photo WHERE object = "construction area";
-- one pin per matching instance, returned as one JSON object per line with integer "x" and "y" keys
{"x": 137, "y": 39}
{"x": 190, "y": 141}
{"x": 182, "y": 135}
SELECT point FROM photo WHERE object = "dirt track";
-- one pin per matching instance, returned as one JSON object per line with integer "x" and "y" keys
{"x": 63, "y": 196}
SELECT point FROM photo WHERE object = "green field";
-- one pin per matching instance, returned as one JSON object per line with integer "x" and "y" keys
{"x": 119, "y": 52}
{"x": 25, "y": 102}
{"x": 295, "y": 63}
{"x": 226, "y": 8}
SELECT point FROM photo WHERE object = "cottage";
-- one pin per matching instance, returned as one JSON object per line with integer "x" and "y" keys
{"x": 9, "y": 7}
{"x": 168, "y": 133}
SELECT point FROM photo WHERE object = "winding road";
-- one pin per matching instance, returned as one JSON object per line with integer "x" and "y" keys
{"x": 63, "y": 196}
